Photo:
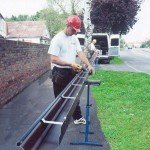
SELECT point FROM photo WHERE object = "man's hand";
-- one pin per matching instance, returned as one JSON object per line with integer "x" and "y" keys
{"x": 76, "y": 67}
{"x": 83, "y": 58}
{"x": 91, "y": 70}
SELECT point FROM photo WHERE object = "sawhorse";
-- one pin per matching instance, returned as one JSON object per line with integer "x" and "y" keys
{"x": 87, "y": 126}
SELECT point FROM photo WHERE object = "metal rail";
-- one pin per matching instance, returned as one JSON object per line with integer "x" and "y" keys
{"x": 55, "y": 119}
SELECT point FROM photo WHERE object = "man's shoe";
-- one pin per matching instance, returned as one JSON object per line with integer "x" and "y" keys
{"x": 80, "y": 121}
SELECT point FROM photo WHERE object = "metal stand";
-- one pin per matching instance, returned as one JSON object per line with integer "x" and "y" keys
{"x": 87, "y": 126}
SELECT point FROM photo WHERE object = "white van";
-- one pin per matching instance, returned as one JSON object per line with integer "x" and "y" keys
{"x": 101, "y": 44}
{"x": 81, "y": 38}
{"x": 114, "y": 49}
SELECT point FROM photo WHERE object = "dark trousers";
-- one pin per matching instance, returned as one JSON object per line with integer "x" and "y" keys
{"x": 61, "y": 77}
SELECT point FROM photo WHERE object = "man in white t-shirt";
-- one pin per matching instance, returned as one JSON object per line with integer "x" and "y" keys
{"x": 63, "y": 50}
{"x": 92, "y": 47}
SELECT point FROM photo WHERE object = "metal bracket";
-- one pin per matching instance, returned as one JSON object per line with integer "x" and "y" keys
{"x": 82, "y": 77}
{"x": 77, "y": 84}
{"x": 52, "y": 122}
{"x": 68, "y": 97}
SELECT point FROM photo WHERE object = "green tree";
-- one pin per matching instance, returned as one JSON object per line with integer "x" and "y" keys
{"x": 36, "y": 16}
{"x": 55, "y": 21}
{"x": 23, "y": 17}
{"x": 11, "y": 19}
{"x": 19, "y": 18}
{"x": 145, "y": 44}
{"x": 122, "y": 43}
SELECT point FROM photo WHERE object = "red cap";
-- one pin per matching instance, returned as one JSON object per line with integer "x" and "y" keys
{"x": 74, "y": 22}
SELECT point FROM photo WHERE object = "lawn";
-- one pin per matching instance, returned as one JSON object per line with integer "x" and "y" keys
{"x": 123, "y": 107}
{"x": 116, "y": 60}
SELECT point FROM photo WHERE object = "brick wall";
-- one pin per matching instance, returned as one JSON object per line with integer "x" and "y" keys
{"x": 20, "y": 64}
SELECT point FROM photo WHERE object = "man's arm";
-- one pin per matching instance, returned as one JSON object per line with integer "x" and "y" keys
{"x": 84, "y": 59}
{"x": 57, "y": 61}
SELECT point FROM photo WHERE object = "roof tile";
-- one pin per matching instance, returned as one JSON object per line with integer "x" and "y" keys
{"x": 25, "y": 28}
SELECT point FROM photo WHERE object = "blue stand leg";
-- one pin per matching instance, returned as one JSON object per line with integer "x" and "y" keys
{"x": 87, "y": 131}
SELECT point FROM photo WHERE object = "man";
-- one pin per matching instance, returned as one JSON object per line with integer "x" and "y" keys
{"x": 93, "y": 48}
{"x": 63, "y": 50}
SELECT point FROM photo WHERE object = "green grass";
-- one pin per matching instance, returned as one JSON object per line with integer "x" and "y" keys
{"x": 123, "y": 107}
{"x": 116, "y": 60}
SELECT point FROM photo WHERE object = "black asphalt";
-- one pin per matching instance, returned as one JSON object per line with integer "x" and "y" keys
{"x": 18, "y": 115}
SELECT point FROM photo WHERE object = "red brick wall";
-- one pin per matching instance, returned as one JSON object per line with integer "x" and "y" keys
{"x": 20, "y": 64}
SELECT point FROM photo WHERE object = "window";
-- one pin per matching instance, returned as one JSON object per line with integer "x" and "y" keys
{"x": 81, "y": 40}
{"x": 115, "y": 42}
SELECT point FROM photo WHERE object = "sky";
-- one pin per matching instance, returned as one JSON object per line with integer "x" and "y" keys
{"x": 140, "y": 31}
{"x": 17, "y": 7}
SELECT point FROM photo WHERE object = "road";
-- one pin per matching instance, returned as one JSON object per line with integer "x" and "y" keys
{"x": 135, "y": 60}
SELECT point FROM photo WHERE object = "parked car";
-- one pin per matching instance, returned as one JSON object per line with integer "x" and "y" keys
{"x": 129, "y": 47}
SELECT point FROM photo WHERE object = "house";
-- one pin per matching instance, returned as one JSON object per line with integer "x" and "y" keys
{"x": 2, "y": 27}
{"x": 28, "y": 31}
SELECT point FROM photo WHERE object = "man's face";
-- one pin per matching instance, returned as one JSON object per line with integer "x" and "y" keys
{"x": 71, "y": 31}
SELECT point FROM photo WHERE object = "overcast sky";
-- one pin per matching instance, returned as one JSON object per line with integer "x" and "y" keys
{"x": 17, "y": 7}
{"x": 140, "y": 31}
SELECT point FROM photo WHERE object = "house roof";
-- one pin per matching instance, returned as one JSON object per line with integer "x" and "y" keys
{"x": 25, "y": 28}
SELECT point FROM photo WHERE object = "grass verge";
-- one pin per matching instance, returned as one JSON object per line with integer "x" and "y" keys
{"x": 116, "y": 60}
{"x": 123, "y": 107}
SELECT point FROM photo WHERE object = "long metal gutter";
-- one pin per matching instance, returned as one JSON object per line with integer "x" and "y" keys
{"x": 53, "y": 122}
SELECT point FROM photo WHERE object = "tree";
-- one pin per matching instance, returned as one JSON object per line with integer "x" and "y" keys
{"x": 145, "y": 44}
{"x": 72, "y": 7}
{"x": 23, "y": 17}
{"x": 114, "y": 16}
{"x": 55, "y": 21}
{"x": 87, "y": 24}
{"x": 19, "y": 18}
{"x": 36, "y": 16}
{"x": 122, "y": 43}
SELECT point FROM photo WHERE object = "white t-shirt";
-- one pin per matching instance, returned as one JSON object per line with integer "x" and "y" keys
{"x": 65, "y": 47}
{"x": 92, "y": 47}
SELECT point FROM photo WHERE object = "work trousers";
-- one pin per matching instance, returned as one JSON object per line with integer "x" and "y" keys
{"x": 61, "y": 77}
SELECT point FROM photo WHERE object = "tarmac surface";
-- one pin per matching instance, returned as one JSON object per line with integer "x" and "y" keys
{"x": 17, "y": 116}
{"x": 134, "y": 60}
